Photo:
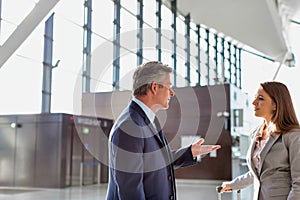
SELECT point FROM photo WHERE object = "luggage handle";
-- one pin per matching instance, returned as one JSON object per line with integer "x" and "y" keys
{"x": 219, "y": 188}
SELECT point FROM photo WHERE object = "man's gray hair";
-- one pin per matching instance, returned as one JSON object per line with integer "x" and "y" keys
{"x": 146, "y": 74}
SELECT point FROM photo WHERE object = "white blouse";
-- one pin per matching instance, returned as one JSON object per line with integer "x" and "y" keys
{"x": 259, "y": 146}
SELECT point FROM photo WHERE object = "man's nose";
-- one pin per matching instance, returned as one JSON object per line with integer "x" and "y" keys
{"x": 172, "y": 93}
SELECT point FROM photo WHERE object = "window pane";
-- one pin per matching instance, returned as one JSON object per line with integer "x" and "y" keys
{"x": 149, "y": 13}
{"x": 103, "y": 16}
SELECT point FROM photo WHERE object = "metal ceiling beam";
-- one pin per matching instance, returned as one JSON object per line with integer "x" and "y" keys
{"x": 263, "y": 31}
{"x": 41, "y": 9}
{"x": 0, "y": 15}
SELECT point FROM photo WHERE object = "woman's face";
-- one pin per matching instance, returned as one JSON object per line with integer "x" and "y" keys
{"x": 263, "y": 105}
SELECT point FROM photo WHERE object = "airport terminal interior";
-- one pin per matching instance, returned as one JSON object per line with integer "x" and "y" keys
{"x": 70, "y": 62}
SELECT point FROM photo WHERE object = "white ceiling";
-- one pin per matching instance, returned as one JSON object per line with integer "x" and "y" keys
{"x": 255, "y": 23}
{"x": 25, "y": 28}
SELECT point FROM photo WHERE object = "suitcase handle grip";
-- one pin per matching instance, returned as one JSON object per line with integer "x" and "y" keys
{"x": 219, "y": 188}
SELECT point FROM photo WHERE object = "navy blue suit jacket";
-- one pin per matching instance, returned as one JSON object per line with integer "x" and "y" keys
{"x": 141, "y": 162}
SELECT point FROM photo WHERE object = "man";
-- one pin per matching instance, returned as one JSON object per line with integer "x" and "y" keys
{"x": 141, "y": 162}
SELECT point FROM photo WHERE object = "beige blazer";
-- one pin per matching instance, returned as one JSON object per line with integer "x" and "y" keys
{"x": 279, "y": 177}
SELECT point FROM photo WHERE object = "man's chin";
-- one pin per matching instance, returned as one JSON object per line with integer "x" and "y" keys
{"x": 163, "y": 107}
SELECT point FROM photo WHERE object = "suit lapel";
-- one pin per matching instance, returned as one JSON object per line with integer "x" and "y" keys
{"x": 154, "y": 130}
{"x": 272, "y": 139}
{"x": 159, "y": 133}
{"x": 253, "y": 143}
{"x": 156, "y": 133}
{"x": 163, "y": 139}
{"x": 252, "y": 147}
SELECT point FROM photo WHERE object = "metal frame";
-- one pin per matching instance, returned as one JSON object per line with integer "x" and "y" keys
{"x": 158, "y": 28}
{"x": 174, "y": 40}
{"x": 25, "y": 28}
{"x": 235, "y": 65}
{"x": 187, "y": 22}
{"x": 219, "y": 74}
{"x": 87, "y": 43}
{"x": 116, "y": 44}
{"x": 229, "y": 61}
{"x": 199, "y": 54}
{"x": 140, "y": 22}
{"x": 47, "y": 65}
{"x": 0, "y": 15}
{"x": 216, "y": 59}
{"x": 223, "y": 58}
{"x": 207, "y": 57}
{"x": 240, "y": 69}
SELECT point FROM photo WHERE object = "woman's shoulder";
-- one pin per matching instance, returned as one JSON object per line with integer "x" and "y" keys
{"x": 292, "y": 136}
{"x": 297, "y": 129}
{"x": 294, "y": 131}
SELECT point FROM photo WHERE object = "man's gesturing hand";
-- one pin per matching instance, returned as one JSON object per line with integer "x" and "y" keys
{"x": 199, "y": 149}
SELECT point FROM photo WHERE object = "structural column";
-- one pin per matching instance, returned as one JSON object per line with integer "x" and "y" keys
{"x": 199, "y": 54}
{"x": 158, "y": 28}
{"x": 116, "y": 45}
{"x": 207, "y": 58}
{"x": 174, "y": 55}
{"x": 240, "y": 68}
{"x": 188, "y": 50}
{"x": 140, "y": 32}
{"x": 47, "y": 65}
{"x": 0, "y": 15}
{"x": 216, "y": 59}
{"x": 87, "y": 37}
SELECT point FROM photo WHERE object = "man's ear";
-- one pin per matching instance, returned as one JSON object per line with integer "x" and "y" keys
{"x": 154, "y": 86}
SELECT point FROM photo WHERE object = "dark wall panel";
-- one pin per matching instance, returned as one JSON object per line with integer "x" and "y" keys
{"x": 25, "y": 151}
{"x": 7, "y": 151}
{"x": 52, "y": 150}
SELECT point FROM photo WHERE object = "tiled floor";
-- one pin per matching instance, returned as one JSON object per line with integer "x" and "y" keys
{"x": 186, "y": 189}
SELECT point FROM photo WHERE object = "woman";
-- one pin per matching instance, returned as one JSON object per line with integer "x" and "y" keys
{"x": 274, "y": 154}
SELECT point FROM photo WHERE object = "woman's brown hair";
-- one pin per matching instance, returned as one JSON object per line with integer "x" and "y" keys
{"x": 284, "y": 116}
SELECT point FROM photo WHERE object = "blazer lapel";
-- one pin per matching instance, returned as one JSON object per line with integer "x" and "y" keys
{"x": 162, "y": 138}
{"x": 272, "y": 139}
{"x": 158, "y": 131}
{"x": 154, "y": 130}
{"x": 252, "y": 147}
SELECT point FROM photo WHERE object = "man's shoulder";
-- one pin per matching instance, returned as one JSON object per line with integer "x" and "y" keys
{"x": 130, "y": 113}
{"x": 130, "y": 120}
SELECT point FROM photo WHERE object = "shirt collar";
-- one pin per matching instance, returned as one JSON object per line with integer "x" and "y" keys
{"x": 149, "y": 113}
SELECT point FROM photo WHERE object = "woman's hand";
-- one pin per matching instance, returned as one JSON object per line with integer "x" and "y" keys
{"x": 226, "y": 187}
